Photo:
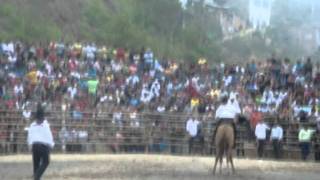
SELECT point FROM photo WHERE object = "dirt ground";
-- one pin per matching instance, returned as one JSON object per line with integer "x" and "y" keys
{"x": 154, "y": 167}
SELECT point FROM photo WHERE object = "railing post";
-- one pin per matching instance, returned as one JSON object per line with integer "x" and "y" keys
{"x": 63, "y": 126}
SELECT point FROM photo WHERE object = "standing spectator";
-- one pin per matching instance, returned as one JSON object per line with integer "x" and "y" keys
{"x": 92, "y": 89}
{"x": 148, "y": 58}
{"x": 305, "y": 135}
{"x": 26, "y": 113}
{"x": 3, "y": 140}
{"x": 41, "y": 141}
{"x": 255, "y": 117}
{"x": 72, "y": 90}
{"x": 307, "y": 67}
{"x": 92, "y": 86}
{"x": 318, "y": 123}
{"x": 117, "y": 118}
{"x": 261, "y": 135}
{"x": 276, "y": 138}
{"x": 192, "y": 129}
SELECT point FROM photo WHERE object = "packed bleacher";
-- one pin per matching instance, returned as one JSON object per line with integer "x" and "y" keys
{"x": 86, "y": 80}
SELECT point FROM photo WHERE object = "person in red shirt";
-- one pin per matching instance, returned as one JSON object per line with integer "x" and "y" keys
{"x": 255, "y": 117}
{"x": 40, "y": 52}
{"x": 120, "y": 54}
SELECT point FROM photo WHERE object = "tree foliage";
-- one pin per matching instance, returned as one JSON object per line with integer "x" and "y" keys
{"x": 163, "y": 25}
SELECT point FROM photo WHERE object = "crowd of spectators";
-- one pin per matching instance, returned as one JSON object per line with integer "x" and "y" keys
{"x": 81, "y": 77}
{"x": 86, "y": 76}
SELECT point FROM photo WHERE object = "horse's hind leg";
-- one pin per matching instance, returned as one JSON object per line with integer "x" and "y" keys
{"x": 232, "y": 165}
{"x": 221, "y": 160}
{"x": 228, "y": 160}
{"x": 215, "y": 165}
{"x": 229, "y": 156}
{"x": 219, "y": 157}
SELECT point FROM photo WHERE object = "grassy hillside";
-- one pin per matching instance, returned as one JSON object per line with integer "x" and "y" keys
{"x": 159, "y": 24}
{"x": 126, "y": 23}
{"x": 117, "y": 22}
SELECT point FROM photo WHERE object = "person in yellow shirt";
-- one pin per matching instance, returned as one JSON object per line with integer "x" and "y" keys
{"x": 194, "y": 102}
{"x": 214, "y": 93}
{"x": 103, "y": 52}
{"x": 202, "y": 61}
{"x": 32, "y": 77}
{"x": 305, "y": 135}
{"x": 77, "y": 49}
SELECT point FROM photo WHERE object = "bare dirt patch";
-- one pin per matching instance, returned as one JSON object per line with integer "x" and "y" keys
{"x": 154, "y": 167}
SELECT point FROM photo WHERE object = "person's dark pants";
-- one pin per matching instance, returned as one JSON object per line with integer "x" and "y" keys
{"x": 191, "y": 141}
{"x": 261, "y": 143}
{"x": 317, "y": 152}
{"x": 305, "y": 150}
{"x": 240, "y": 149}
{"x": 40, "y": 156}
{"x": 317, "y": 155}
{"x": 276, "y": 148}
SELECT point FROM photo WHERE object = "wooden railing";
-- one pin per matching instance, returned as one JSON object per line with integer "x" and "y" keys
{"x": 148, "y": 133}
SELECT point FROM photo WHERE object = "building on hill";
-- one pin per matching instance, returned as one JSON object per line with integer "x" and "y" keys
{"x": 260, "y": 13}
{"x": 207, "y": 3}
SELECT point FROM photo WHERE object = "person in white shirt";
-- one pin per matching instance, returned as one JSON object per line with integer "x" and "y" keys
{"x": 18, "y": 89}
{"x": 276, "y": 138}
{"x": 117, "y": 118}
{"x": 26, "y": 113}
{"x": 192, "y": 129}
{"x": 155, "y": 88}
{"x": 261, "y": 135}
{"x": 41, "y": 141}
{"x": 146, "y": 95}
{"x": 268, "y": 96}
{"x": 132, "y": 80}
{"x": 72, "y": 90}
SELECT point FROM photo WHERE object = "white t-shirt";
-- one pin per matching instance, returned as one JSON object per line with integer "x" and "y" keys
{"x": 72, "y": 91}
{"x": 132, "y": 80}
{"x": 261, "y": 131}
{"x": 26, "y": 114}
{"x": 192, "y": 127}
{"x": 227, "y": 80}
{"x": 155, "y": 88}
{"x": 161, "y": 108}
{"x": 116, "y": 116}
{"x": 18, "y": 89}
{"x": 12, "y": 59}
{"x": 40, "y": 133}
{"x": 146, "y": 95}
{"x": 10, "y": 47}
{"x": 276, "y": 133}
{"x": 228, "y": 110}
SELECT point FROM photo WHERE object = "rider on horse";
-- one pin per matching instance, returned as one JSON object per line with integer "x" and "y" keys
{"x": 226, "y": 113}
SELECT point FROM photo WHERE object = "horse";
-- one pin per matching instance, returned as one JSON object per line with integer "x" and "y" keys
{"x": 224, "y": 140}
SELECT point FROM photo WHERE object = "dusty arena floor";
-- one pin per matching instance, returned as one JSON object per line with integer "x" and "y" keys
{"x": 154, "y": 167}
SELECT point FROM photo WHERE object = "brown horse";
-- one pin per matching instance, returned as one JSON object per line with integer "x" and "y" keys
{"x": 224, "y": 140}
